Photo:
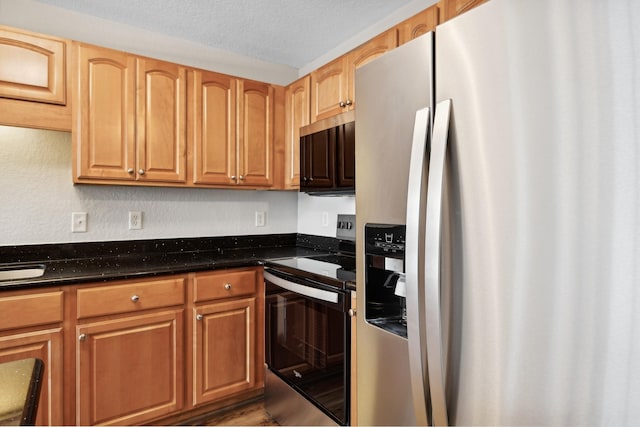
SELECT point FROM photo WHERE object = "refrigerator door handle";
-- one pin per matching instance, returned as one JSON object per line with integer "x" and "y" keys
{"x": 414, "y": 278}
{"x": 435, "y": 353}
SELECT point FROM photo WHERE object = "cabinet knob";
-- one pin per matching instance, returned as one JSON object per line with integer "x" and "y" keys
{"x": 310, "y": 179}
{"x": 233, "y": 177}
{"x": 304, "y": 178}
{"x": 241, "y": 177}
{"x": 352, "y": 312}
{"x": 141, "y": 172}
{"x": 348, "y": 102}
{"x": 227, "y": 286}
{"x": 130, "y": 171}
{"x": 342, "y": 104}
{"x": 82, "y": 337}
{"x": 135, "y": 298}
{"x": 199, "y": 317}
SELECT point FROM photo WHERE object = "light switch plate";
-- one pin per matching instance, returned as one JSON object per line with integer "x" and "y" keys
{"x": 78, "y": 222}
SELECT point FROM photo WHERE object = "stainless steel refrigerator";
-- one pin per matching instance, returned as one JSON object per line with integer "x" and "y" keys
{"x": 498, "y": 220}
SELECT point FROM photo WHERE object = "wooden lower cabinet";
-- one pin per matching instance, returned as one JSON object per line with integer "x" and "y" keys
{"x": 129, "y": 370}
{"x": 228, "y": 332}
{"x": 45, "y": 344}
{"x": 31, "y": 326}
{"x": 224, "y": 348}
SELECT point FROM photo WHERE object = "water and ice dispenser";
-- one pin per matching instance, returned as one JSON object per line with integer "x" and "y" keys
{"x": 385, "y": 297}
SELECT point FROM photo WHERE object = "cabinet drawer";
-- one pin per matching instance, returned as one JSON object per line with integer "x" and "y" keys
{"x": 30, "y": 310}
{"x": 224, "y": 284}
{"x": 130, "y": 297}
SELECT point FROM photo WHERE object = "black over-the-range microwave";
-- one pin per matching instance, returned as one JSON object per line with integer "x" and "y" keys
{"x": 327, "y": 157}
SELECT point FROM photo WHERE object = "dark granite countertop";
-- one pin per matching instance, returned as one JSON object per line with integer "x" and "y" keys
{"x": 103, "y": 261}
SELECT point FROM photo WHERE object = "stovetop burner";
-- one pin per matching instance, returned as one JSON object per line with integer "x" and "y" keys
{"x": 333, "y": 269}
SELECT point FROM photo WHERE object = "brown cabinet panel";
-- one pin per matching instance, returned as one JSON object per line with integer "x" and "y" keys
{"x": 329, "y": 89}
{"x": 130, "y": 369}
{"x": 346, "y": 150}
{"x": 213, "y": 127}
{"x": 318, "y": 156}
{"x": 31, "y": 309}
{"x": 297, "y": 104}
{"x": 255, "y": 133}
{"x": 130, "y": 297}
{"x": 452, "y": 8}
{"x": 224, "y": 349}
{"x": 104, "y": 114}
{"x": 45, "y": 345}
{"x": 224, "y": 284}
{"x": 417, "y": 25}
{"x": 161, "y": 121}
{"x": 33, "y": 67}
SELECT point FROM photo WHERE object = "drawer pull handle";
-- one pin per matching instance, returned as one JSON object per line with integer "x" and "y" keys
{"x": 227, "y": 286}
{"x": 135, "y": 298}
{"x": 82, "y": 337}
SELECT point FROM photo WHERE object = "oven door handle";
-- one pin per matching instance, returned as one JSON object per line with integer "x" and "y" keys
{"x": 308, "y": 291}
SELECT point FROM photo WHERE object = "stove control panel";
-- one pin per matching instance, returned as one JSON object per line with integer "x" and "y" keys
{"x": 346, "y": 227}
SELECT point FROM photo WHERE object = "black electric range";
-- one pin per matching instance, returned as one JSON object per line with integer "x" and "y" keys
{"x": 337, "y": 270}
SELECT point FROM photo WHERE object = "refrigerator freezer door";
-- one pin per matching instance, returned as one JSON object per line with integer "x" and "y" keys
{"x": 389, "y": 91}
{"x": 541, "y": 321}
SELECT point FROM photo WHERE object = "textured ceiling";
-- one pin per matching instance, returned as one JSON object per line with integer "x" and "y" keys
{"x": 287, "y": 32}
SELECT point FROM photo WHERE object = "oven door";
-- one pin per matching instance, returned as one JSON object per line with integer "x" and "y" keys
{"x": 307, "y": 340}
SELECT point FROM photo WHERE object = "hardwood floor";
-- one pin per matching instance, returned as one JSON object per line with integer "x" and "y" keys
{"x": 245, "y": 414}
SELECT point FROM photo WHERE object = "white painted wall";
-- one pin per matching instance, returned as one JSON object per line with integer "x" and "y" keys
{"x": 311, "y": 210}
{"x": 37, "y": 197}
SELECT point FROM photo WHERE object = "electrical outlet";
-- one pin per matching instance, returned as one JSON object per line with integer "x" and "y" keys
{"x": 78, "y": 222}
{"x": 135, "y": 220}
{"x": 261, "y": 218}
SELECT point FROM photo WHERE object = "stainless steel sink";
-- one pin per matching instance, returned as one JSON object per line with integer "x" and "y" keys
{"x": 20, "y": 273}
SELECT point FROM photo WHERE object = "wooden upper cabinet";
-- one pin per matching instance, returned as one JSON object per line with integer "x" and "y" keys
{"x": 32, "y": 67}
{"x": 255, "y": 133}
{"x": 332, "y": 85}
{"x": 161, "y": 121}
{"x": 104, "y": 114}
{"x": 34, "y": 82}
{"x": 452, "y": 8}
{"x": 121, "y": 137}
{"x": 297, "y": 105}
{"x": 330, "y": 89}
{"x": 417, "y": 25}
{"x": 212, "y": 127}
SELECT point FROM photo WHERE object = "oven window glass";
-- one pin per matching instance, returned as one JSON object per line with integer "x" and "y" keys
{"x": 306, "y": 341}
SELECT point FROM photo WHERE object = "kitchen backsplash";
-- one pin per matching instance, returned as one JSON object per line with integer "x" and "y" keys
{"x": 38, "y": 197}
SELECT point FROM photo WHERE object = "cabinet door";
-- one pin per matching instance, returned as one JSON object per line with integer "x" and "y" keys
{"x": 104, "y": 114}
{"x": 346, "y": 149}
{"x": 129, "y": 370}
{"x": 452, "y": 8}
{"x": 319, "y": 159}
{"x": 367, "y": 52}
{"x": 213, "y": 120}
{"x": 33, "y": 67}
{"x": 161, "y": 121}
{"x": 417, "y": 25}
{"x": 297, "y": 115}
{"x": 330, "y": 89}
{"x": 45, "y": 345}
{"x": 225, "y": 347}
{"x": 255, "y": 133}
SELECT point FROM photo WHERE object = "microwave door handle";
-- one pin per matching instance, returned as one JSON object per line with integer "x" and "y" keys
{"x": 413, "y": 276}
{"x": 433, "y": 241}
{"x": 297, "y": 288}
